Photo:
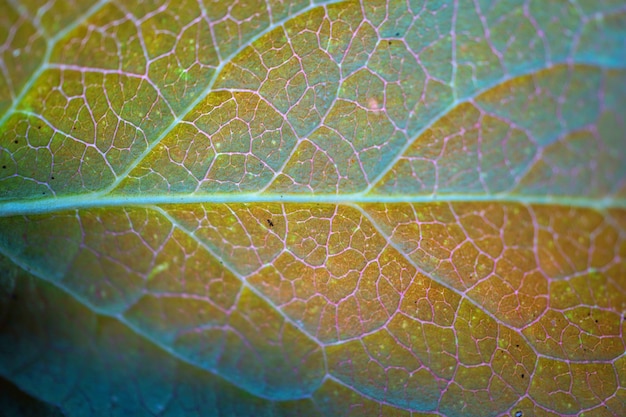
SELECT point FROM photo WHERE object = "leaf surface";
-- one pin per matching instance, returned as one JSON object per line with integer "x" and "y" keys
{"x": 314, "y": 208}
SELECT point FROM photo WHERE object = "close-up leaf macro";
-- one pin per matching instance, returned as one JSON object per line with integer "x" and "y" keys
{"x": 313, "y": 208}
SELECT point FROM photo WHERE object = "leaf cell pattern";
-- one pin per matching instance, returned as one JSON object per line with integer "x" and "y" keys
{"x": 314, "y": 208}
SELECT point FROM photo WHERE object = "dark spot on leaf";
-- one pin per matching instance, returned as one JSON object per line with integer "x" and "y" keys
{"x": 39, "y": 127}
{"x": 43, "y": 193}
{"x": 15, "y": 141}
{"x": 389, "y": 42}
{"x": 4, "y": 167}
{"x": 522, "y": 375}
{"x": 518, "y": 414}
{"x": 596, "y": 321}
{"x": 51, "y": 178}
{"x": 397, "y": 33}
{"x": 270, "y": 223}
{"x": 516, "y": 345}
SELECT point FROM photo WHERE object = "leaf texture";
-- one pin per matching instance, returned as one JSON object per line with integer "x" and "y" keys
{"x": 400, "y": 208}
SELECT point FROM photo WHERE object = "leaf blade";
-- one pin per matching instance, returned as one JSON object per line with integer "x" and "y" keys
{"x": 420, "y": 207}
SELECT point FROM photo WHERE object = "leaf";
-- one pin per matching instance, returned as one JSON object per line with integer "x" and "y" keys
{"x": 313, "y": 209}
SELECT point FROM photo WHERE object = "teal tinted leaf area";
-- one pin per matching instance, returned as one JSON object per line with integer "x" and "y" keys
{"x": 16, "y": 403}
{"x": 313, "y": 208}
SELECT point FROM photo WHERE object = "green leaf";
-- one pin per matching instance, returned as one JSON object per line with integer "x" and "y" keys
{"x": 313, "y": 209}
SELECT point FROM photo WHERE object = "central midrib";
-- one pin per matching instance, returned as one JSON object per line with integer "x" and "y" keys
{"x": 87, "y": 201}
